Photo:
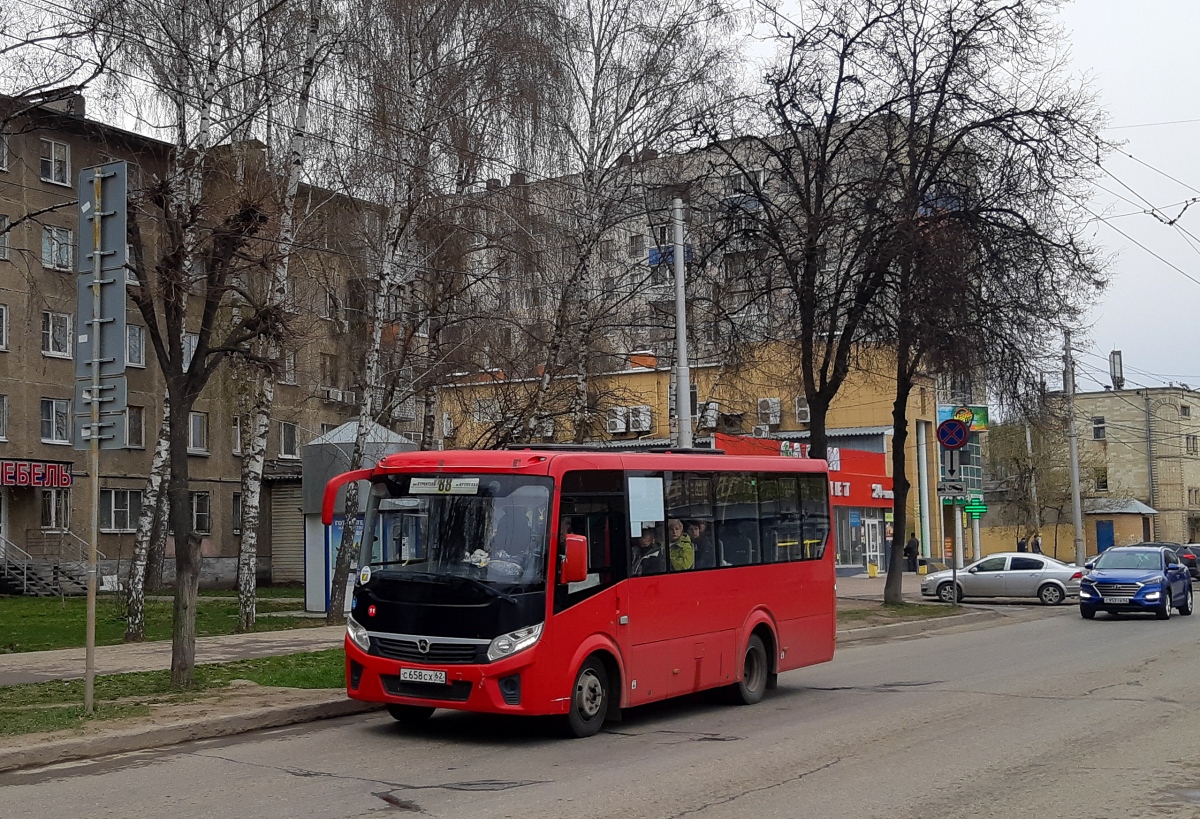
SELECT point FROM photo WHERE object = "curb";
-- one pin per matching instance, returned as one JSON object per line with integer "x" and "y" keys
{"x": 127, "y": 740}
{"x": 911, "y": 627}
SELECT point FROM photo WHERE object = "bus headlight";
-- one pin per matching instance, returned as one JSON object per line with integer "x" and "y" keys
{"x": 508, "y": 644}
{"x": 358, "y": 634}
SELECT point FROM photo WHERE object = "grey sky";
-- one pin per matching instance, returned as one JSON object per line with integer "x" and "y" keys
{"x": 1141, "y": 56}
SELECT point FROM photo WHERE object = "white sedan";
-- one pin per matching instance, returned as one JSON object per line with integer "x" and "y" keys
{"x": 1008, "y": 574}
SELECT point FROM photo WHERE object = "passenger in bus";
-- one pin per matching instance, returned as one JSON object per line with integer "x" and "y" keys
{"x": 648, "y": 555}
{"x": 702, "y": 542}
{"x": 682, "y": 552}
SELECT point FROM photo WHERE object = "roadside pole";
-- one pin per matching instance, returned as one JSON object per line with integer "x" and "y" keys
{"x": 683, "y": 375}
{"x": 1073, "y": 441}
{"x": 101, "y": 393}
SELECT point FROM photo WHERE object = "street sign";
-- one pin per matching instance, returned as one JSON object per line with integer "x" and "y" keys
{"x": 953, "y": 433}
{"x": 952, "y": 490}
{"x": 101, "y": 332}
{"x": 952, "y": 465}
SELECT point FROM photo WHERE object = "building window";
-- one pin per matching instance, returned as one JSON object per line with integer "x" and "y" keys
{"x": 637, "y": 245}
{"x": 57, "y": 244}
{"x": 56, "y": 509}
{"x": 1100, "y": 477}
{"x": 237, "y": 435}
{"x": 3, "y": 152}
{"x": 4, "y": 231}
{"x": 288, "y": 367}
{"x": 56, "y": 421}
{"x": 56, "y": 334}
{"x": 328, "y": 428}
{"x": 607, "y": 250}
{"x": 289, "y": 440}
{"x": 135, "y": 427}
{"x": 329, "y": 370}
{"x": 198, "y": 432}
{"x": 329, "y": 305}
{"x": 1193, "y": 444}
{"x": 201, "y": 513}
{"x": 1185, "y": 411}
{"x": 190, "y": 342}
{"x": 1193, "y": 496}
{"x": 235, "y": 512}
{"x": 56, "y": 162}
{"x": 3, "y": 326}
{"x": 3, "y": 417}
{"x": 135, "y": 345}
{"x": 119, "y": 509}
{"x": 1098, "y": 432}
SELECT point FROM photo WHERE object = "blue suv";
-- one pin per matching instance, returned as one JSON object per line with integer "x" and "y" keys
{"x": 1146, "y": 577}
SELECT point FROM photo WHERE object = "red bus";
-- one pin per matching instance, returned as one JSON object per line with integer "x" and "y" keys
{"x": 579, "y": 582}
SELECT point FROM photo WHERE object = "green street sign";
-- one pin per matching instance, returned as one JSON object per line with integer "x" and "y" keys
{"x": 975, "y": 508}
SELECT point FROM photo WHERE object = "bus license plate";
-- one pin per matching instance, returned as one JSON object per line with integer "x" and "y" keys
{"x": 1116, "y": 600}
{"x": 422, "y": 675}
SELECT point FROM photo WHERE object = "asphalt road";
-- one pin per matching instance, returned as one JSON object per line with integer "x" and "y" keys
{"x": 1050, "y": 717}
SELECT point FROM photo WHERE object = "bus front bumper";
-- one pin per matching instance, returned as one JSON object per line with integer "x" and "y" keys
{"x": 506, "y": 686}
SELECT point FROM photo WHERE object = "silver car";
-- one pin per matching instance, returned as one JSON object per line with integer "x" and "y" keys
{"x": 1008, "y": 574}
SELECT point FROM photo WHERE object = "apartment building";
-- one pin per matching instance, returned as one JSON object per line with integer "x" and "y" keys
{"x": 1142, "y": 444}
{"x": 45, "y": 503}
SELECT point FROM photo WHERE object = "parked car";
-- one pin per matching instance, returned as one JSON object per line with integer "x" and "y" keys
{"x": 1011, "y": 574}
{"x": 1190, "y": 555}
{"x": 1145, "y": 577}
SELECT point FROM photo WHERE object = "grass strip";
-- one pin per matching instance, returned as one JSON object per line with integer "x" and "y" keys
{"x": 901, "y": 611}
{"x": 42, "y": 623}
{"x": 50, "y": 706}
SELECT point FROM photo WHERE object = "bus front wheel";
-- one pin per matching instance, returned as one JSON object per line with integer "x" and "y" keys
{"x": 589, "y": 699}
{"x": 755, "y": 672}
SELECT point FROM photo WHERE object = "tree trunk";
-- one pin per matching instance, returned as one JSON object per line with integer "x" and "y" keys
{"x": 818, "y": 441}
{"x": 158, "y": 539}
{"x": 152, "y": 495}
{"x": 255, "y": 450}
{"x": 187, "y": 553}
{"x": 893, "y": 588}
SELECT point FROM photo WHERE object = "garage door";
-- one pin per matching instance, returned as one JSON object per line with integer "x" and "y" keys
{"x": 287, "y": 534}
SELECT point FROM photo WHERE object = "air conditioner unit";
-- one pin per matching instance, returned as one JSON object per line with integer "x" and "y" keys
{"x": 332, "y": 394}
{"x": 710, "y": 414}
{"x": 350, "y": 397}
{"x": 640, "y": 419}
{"x": 447, "y": 425}
{"x": 615, "y": 421}
{"x": 803, "y": 415}
{"x": 768, "y": 411}
{"x": 761, "y": 431}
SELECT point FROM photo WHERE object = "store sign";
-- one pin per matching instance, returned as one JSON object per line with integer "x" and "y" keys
{"x": 879, "y": 492}
{"x": 51, "y": 474}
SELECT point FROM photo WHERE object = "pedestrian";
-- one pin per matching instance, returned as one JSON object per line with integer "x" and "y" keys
{"x": 911, "y": 550}
{"x": 1021, "y": 545}
{"x": 1036, "y": 543}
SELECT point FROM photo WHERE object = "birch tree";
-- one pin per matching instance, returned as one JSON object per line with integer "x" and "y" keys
{"x": 195, "y": 237}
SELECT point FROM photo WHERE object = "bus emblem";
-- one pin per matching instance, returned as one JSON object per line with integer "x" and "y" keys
{"x": 423, "y": 646}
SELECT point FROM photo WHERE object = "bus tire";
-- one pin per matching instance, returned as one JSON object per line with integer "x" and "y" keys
{"x": 410, "y": 714}
{"x": 756, "y": 669}
{"x": 590, "y": 697}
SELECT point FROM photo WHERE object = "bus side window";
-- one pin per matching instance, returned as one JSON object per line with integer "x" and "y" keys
{"x": 689, "y": 501}
{"x": 736, "y": 515}
{"x": 779, "y": 518}
{"x": 814, "y": 516}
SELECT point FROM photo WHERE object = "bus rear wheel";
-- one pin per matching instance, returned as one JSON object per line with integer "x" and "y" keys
{"x": 410, "y": 714}
{"x": 755, "y": 672}
{"x": 589, "y": 700}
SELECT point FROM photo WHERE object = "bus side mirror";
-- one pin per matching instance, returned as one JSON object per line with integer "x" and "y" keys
{"x": 575, "y": 562}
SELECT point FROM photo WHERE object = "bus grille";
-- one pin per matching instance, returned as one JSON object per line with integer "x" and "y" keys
{"x": 443, "y": 653}
{"x": 457, "y": 691}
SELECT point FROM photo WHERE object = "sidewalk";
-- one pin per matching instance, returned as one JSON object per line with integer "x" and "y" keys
{"x": 67, "y": 663}
{"x": 861, "y": 586}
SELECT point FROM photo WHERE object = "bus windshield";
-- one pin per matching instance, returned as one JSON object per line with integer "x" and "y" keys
{"x": 487, "y": 528}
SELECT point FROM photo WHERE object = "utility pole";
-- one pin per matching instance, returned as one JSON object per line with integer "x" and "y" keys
{"x": 1073, "y": 441}
{"x": 683, "y": 375}
{"x": 1037, "y": 509}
